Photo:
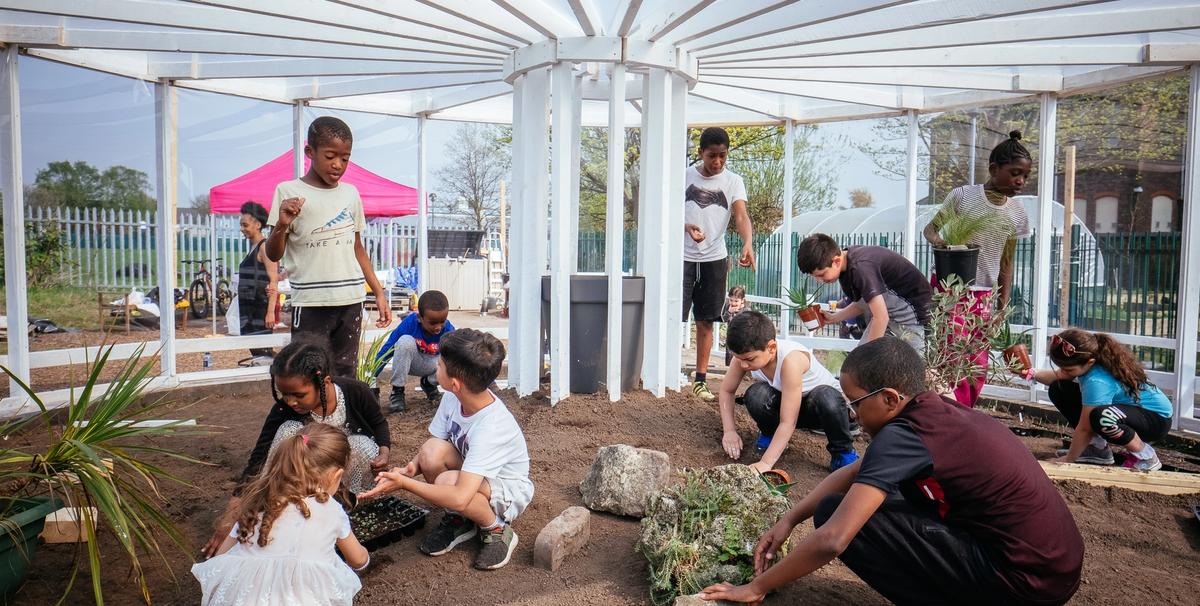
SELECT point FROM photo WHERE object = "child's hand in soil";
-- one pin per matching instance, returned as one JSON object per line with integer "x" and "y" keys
{"x": 769, "y": 543}
{"x": 740, "y": 593}
{"x": 732, "y": 443}
{"x": 761, "y": 467}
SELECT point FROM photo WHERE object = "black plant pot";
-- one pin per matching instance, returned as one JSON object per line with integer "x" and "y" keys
{"x": 960, "y": 262}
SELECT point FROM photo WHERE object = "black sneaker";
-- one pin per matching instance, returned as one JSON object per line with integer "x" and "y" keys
{"x": 431, "y": 390}
{"x": 396, "y": 400}
{"x": 452, "y": 531}
{"x": 498, "y": 547}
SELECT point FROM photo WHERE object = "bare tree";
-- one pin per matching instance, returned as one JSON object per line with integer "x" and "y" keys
{"x": 479, "y": 157}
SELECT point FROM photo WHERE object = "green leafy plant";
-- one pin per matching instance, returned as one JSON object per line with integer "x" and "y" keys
{"x": 956, "y": 228}
{"x": 370, "y": 363}
{"x": 777, "y": 489}
{"x": 74, "y": 465}
{"x": 1006, "y": 337}
{"x": 962, "y": 325}
{"x": 798, "y": 297}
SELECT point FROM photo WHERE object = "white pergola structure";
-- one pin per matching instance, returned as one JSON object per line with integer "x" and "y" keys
{"x": 550, "y": 66}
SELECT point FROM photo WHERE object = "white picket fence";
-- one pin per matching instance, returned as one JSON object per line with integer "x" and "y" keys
{"x": 117, "y": 248}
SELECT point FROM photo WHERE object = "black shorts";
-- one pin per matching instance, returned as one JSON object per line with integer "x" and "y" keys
{"x": 704, "y": 289}
{"x": 337, "y": 329}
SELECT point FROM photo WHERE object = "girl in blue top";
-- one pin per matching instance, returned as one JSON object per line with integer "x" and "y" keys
{"x": 1103, "y": 391}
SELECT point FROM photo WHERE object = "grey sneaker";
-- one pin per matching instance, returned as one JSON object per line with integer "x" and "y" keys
{"x": 1091, "y": 455}
{"x": 451, "y": 532}
{"x": 498, "y": 547}
{"x": 1151, "y": 464}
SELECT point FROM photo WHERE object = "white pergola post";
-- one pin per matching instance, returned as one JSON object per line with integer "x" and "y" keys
{"x": 16, "y": 301}
{"x": 299, "y": 134}
{"x": 1045, "y": 223}
{"x": 526, "y": 279}
{"x": 642, "y": 211}
{"x": 562, "y": 152}
{"x": 789, "y": 209}
{"x": 1186, "y": 317}
{"x": 674, "y": 170}
{"x": 515, "y": 255}
{"x": 576, "y": 151}
{"x": 653, "y": 259}
{"x": 910, "y": 196}
{"x": 422, "y": 207}
{"x": 614, "y": 227}
{"x": 166, "y": 120}
{"x": 974, "y": 144}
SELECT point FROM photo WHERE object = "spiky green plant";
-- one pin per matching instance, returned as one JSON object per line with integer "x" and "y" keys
{"x": 71, "y": 467}
{"x": 370, "y": 362}
{"x": 799, "y": 296}
{"x": 956, "y": 228}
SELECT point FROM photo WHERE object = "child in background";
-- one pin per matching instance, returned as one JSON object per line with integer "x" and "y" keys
{"x": 322, "y": 248}
{"x": 1008, "y": 167}
{"x": 945, "y": 507}
{"x": 306, "y": 394}
{"x": 792, "y": 389}
{"x": 1103, "y": 392}
{"x": 735, "y": 302}
{"x": 887, "y": 289}
{"x": 476, "y": 465}
{"x": 413, "y": 348}
{"x": 281, "y": 551}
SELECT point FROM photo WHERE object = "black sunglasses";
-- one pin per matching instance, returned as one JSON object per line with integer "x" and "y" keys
{"x": 854, "y": 403}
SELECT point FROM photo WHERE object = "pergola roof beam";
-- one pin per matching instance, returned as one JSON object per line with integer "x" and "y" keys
{"x": 879, "y": 97}
{"x": 741, "y": 99}
{"x": 284, "y": 68}
{"x": 982, "y": 56}
{"x": 794, "y": 27}
{"x": 543, "y": 17}
{"x": 485, "y": 15}
{"x": 435, "y": 17}
{"x": 942, "y": 78}
{"x": 672, "y": 14}
{"x": 622, "y": 23}
{"x": 72, "y": 36}
{"x": 995, "y": 31}
{"x": 318, "y": 89}
{"x": 212, "y": 18}
{"x": 471, "y": 94}
{"x": 767, "y": 15}
{"x": 589, "y": 19}
{"x": 354, "y": 17}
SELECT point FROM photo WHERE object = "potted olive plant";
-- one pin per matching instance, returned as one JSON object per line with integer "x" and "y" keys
{"x": 959, "y": 330}
{"x": 96, "y": 457}
{"x": 957, "y": 257}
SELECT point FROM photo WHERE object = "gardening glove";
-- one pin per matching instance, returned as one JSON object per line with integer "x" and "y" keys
{"x": 725, "y": 591}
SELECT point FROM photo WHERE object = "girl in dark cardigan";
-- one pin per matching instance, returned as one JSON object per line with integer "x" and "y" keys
{"x": 305, "y": 392}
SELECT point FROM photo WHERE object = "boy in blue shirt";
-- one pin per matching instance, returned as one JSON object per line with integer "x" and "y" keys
{"x": 413, "y": 348}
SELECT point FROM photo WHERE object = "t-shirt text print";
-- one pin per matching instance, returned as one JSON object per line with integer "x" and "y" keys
{"x": 322, "y": 268}
{"x": 707, "y": 204}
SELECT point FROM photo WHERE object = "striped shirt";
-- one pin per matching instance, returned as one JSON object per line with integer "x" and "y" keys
{"x": 322, "y": 268}
{"x": 1011, "y": 222}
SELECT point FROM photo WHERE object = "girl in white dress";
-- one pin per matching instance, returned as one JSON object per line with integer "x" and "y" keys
{"x": 281, "y": 551}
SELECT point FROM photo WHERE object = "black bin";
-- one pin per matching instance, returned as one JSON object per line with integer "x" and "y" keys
{"x": 589, "y": 329}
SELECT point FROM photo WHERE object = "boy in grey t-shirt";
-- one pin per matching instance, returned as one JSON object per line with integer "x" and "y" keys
{"x": 476, "y": 465}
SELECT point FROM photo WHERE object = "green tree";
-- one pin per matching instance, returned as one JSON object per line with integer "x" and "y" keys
{"x": 80, "y": 185}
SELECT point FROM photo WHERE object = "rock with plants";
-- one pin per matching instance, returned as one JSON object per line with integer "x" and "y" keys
{"x": 703, "y": 530}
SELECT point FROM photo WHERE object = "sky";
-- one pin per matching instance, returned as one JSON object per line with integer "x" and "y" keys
{"x": 71, "y": 113}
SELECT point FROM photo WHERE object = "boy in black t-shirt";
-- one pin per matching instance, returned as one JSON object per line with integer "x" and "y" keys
{"x": 884, "y": 287}
{"x": 922, "y": 518}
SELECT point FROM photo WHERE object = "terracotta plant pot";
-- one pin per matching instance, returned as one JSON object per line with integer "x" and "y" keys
{"x": 777, "y": 477}
{"x": 1018, "y": 355}
{"x": 810, "y": 317}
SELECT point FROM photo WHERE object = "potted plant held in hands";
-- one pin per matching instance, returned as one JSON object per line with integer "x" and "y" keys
{"x": 103, "y": 461}
{"x": 799, "y": 299}
{"x": 1011, "y": 346}
{"x": 956, "y": 257}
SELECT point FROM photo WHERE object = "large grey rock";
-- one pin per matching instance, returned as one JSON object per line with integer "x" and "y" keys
{"x": 623, "y": 478}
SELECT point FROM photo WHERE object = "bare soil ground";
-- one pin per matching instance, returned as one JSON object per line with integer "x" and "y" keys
{"x": 1140, "y": 547}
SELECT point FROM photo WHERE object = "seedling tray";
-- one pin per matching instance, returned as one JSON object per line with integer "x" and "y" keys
{"x": 381, "y": 522}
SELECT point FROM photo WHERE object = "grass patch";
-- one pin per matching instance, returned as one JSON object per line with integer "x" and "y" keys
{"x": 66, "y": 306}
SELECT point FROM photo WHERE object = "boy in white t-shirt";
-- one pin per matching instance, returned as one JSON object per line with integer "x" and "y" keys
{"x": 317, "y": 221}
{"x": 476, "y": 465}
{"x": 712, "y": 194}
{"x": 792, "y": 389}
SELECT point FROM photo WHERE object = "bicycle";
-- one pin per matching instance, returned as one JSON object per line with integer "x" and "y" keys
{"x": 199, "y": 293}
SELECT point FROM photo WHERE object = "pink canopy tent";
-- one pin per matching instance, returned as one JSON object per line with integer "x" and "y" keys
{"x": 381, "y": 197}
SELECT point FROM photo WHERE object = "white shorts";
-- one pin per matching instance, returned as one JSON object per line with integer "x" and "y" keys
{"x": 510, "y": 497}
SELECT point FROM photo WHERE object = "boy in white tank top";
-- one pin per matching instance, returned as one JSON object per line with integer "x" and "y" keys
{"x": 791, "y": 389}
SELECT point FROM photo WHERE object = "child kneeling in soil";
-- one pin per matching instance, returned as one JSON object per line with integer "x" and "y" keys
{"x": 946, "y": 506}
{"x": 1103, "y": 392}
{"x": 476, "y": 465}
{"x": 413, "y": 348}
{"x": 306, "y": 393}
{"x": 791, "y": 389}
{"x": 281, "y": 551}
